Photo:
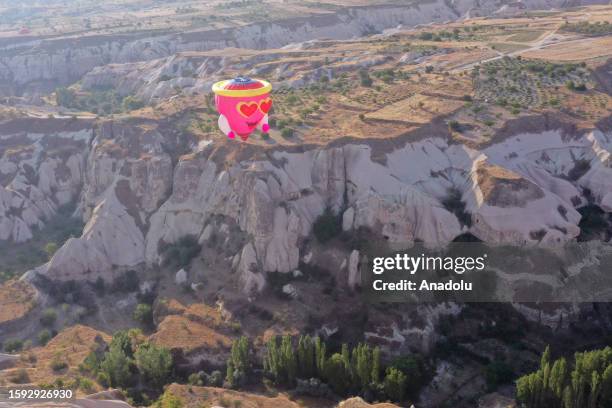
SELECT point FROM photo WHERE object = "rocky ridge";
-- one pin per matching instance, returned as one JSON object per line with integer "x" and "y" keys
{"x": 29, "y": 67}
{"x": 40, "y": 171}
{"x": 523, "y": 189}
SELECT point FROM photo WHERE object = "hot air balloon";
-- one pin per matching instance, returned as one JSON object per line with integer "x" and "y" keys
{"x": 243, "y": 105}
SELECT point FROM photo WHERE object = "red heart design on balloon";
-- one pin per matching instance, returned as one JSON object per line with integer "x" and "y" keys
{"x": 246, "y": 109}
{"x": 265, "y": 105}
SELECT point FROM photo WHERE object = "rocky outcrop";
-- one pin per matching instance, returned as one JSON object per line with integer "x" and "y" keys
{"x": 418, "y": 332}
{"x": 523, "y": 189}
{"x": 40, "y": 171}
{"x": 127, "y": 176}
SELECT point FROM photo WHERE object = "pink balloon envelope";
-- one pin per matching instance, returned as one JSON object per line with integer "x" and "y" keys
{"x": 243, "y": 105}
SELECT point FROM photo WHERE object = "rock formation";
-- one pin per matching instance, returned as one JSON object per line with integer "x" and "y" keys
{"x": 522, "y": 189}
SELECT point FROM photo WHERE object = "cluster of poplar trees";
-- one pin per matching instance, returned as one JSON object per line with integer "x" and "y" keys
{"x": 239, "y": 363}
{"x": 351, "y": 371}
{"x": 587, "y": 383}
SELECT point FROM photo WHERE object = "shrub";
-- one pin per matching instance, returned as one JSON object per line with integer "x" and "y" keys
{"x": 416, "y": 373}
{"x": 44, "y": 336}
{"x": 454, "y": 126}
{"x": 126, "y": 282}
{"x": 50, "y": 249}
{"x": 498, "y": 373}
{"x": 58, "y": 364}
{"x": 195, "y": 379}
{"x": 169, "y": 400}
{"x": 91, "y": 364}
{"x": 48, "y": 318}
{"x": 327, "y": 226}
{"x": 86, "y": 385}
{"x": 364, "y": 78}
{"x": 215, "y": 379}
{"x": 65, "y": 97}
{"x": 103, "y": 380}
{"x": 144, "y": 314}
{"x": 130, "y": 103}
{"x": 20, "y": 376}
{"x": 287, "y": 133}
{"x": 180, "y": 253}
{"x": 12, "y": 346}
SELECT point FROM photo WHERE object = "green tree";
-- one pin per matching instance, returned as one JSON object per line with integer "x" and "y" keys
{"x": 376, "y": 365}
{"x": 280, "y": 361}
{"x": 130, "y": 103}
{"x": 272, "y": 359}
{"x": 116, "y": 366}
{"x": 44, "y": 336}
{"x": 497, "y": 373}
{"x": 289, "y": 360}
{"x": 394, "y": 384}
{"x": 65, "y": 97}
{"x": 154, "y": 363}
{"x": 50, "y": 249}
{"x": 48, "y": 317}
{"x": 337, "y": 375}
{"x": 122, "y": 341}
{"x": 144, "y": 314}
{"x": 362, "y": 366}
{"x": 239, "y": 362}
{"x": 13, "y": 345}
{"x": 306, "y": 357}
{"x": 584, "y": 385}
{"x": 180, "y": 253}
{"x": 414, "y": 368}
{"x": 320, "y": 356}
{"x": 170, "y": 400}
{"x": 327, "y": 226}
{"x": 364, "y": 78}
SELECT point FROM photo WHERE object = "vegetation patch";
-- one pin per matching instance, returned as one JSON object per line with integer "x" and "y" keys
{"x": 588, "y": 28}
{"x": 327, "y": 226}
{"x": 584, "y": 381}
{"x": 17, "y": 258}
{"x": 180, "y": 253}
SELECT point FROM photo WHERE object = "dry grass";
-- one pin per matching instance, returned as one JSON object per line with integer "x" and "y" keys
{"x": 360, "y": 403}
{"x": 507, "y": 47}
{"x": 16, "y": 300}
{"x": 526, "y": 36}
{"x": 587, "y": 48}
{"x": 194, "y": 328}
{"x": 500, "y": 187}
{"x": 196, "y": 397}
{"x": 71, "y": 346}
{"x": 417, "y": 109}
